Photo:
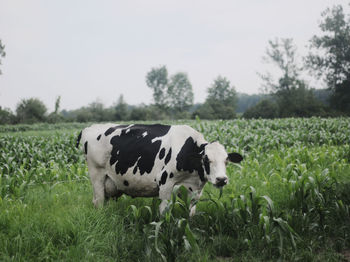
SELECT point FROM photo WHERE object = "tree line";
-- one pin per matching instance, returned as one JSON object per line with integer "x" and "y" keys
{"x": 289, "y": 95}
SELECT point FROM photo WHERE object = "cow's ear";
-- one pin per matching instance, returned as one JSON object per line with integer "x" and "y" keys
{"x": 234, "y": 157}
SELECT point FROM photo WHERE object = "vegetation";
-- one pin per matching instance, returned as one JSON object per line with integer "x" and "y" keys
{"x": 288, "y": 200}
{"x": 221, "y": 101}
{"x": 330, "y": 56}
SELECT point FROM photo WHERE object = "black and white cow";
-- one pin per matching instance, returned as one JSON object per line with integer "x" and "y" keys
{"x": 149, "y": 160}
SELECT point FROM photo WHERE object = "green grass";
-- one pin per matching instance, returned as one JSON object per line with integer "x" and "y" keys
{"x": 288, "y": 200}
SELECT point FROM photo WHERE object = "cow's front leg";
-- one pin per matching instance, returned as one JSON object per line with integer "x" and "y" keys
{"x": 97, "y": 177}
{"x": 163, "y": 205}
{"x": 195, "y": 198}
{"x": 165, "y": 192}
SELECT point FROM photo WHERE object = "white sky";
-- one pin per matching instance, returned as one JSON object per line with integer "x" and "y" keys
{"x": 96, "y": 50}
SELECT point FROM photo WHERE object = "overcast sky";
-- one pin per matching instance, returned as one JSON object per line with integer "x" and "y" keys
{"x": 96, "y": 50}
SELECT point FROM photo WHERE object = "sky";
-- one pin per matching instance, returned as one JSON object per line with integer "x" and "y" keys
{"x": 87, "y": 51}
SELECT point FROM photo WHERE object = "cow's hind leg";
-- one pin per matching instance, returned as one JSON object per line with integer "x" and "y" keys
{"x": 97, "y": 177}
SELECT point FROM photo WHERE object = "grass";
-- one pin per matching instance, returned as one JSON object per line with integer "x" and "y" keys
{"x": 288, "y": 200}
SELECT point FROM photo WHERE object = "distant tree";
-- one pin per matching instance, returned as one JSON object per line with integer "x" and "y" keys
{"x": 121, "y": 109}
{"x": 221, "y": 101}
{"x": 2, "y": 52}
{"x": 157, "y": 80}
{"x": 290, "y": 91}
{"x": 55, "y": 117}
{"x": 30, "y": 111}
{"x": 6, "y": 116}
{"x": 323, "y": 95}
{"x": 180, "y": 92}
{"x": 82, "y": 114}
{"x": 245, "y": 101}
{"x": 282, "y": 54}
{"x": 97, "y": 111}
{"x": 139, "y": 113}
{"x": 57, "y": 104}
{"x": 265, "y": 108}
{"x": 329, "y": 57}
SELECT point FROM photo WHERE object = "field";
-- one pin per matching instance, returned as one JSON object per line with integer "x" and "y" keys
{"x": 288, "y": 200}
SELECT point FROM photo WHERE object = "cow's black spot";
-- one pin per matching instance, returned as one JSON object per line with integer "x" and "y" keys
{"x": 78, "y": 139}
{"x": 98, "y": 138}
{"x": 171, "y": 175}
{"x": 136, "y": 147}
{"x": 206, "y": 164}
{"x": 167, "y": 158}
{"x": 162, "y": 153}
{"x": 163, "y": 178}
{"x": 126, "y": 183}
{"x": 190, "y": 188}
{"x": 112, "y": 129}
{"x": 190, "y": 158}
{"x": 85, "y": 147}
{"x": 135, "y": 170}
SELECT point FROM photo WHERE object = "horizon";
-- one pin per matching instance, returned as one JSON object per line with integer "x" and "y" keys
{"x": 102, "y": 50}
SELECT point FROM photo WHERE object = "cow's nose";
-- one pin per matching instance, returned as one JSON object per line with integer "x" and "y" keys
{"x": 221, "y": 181}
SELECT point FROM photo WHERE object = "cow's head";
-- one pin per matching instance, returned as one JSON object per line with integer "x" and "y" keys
{"x": 215, "y": 159}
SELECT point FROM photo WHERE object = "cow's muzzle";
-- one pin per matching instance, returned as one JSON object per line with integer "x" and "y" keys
{"x": 220, "y": 181}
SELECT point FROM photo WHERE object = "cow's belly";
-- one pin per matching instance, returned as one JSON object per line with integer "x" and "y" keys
{"x": 135, "y": 185}
{"x": 146, "y": 191}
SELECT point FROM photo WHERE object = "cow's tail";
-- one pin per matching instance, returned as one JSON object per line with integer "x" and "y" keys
{"x": 78, "y": 139}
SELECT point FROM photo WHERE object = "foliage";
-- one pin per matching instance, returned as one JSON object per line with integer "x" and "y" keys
{"x": 121, "y": 109}
{"x": 221, "y": 101}
{"x": 290, "y": 92}
{"x": 330, "y": 55}
{"x": 173, "y": 96}
{"x": 6, "y": 116}
{"x": 30, "y": 111}
{"x": 245, "y": 101}
{"x": 180, "y": 92}
{"x": 263, "y": 109}
{"x": 157, "y": 80}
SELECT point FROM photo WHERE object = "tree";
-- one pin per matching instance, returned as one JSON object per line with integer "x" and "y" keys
{"x": 282, "y": 54}
{"x": 30, "y": 111}
{"x": 265, "y": 108}
{"x": 245, "y": 101}
{"x": 55, "y": 117}
{"x": 180, "y": 92}
{"x": 221, "y": 101}
{"x": 2, "y": 52}
{"x": 290, "y": 92}
{"x": 121, "y": 109}
{"x": 6, "y": 116}
{"x": 139, "y": 113}
{"x": 57, "y": 104}
{"x": 329, "y": 56}
{"x": 157, "y": 80}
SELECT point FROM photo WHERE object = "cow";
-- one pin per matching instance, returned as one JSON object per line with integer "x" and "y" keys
{"x": 149, "y": 160}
